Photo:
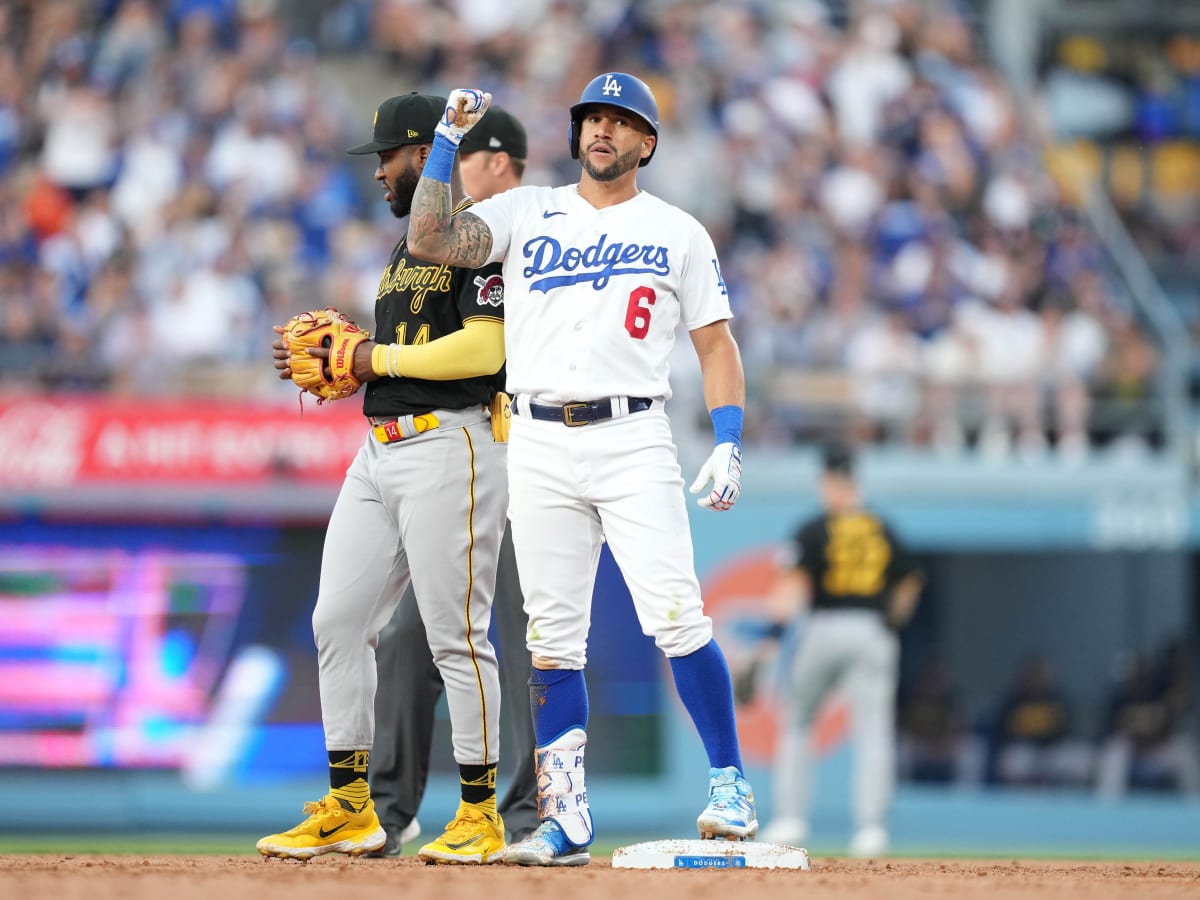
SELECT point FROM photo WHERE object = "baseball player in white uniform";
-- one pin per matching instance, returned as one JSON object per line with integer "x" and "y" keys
{"x": 597, "y": 276}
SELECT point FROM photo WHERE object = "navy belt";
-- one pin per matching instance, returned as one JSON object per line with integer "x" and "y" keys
{"x": 574, "y": 414}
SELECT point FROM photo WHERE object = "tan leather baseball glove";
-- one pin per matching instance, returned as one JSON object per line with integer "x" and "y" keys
{"x": 331, "y": 379}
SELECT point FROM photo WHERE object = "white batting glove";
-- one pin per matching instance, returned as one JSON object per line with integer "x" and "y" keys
{"x": 464, "y": 108}
{"x": 724, "y": 470}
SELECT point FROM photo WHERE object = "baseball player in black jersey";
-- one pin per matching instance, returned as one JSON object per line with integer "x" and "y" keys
{"x": 860, "y": 585}
{"x": 424, "y": 502}
{"x": 491, "y": 160}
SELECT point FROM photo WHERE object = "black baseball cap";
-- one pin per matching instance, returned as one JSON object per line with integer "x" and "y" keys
{"x": 407, "y": 119}
{"x": 497, "y": 131}
{"x": 837, "y": 458}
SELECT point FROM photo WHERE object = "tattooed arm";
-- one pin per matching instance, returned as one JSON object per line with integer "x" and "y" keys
{"x": 437, "y": 235}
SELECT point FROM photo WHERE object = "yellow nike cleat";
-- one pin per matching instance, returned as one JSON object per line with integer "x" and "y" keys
{"x": 329, "y": 828}
{"x": 475, "y": 837}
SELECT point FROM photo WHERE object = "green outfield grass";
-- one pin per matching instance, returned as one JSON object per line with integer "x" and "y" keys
{"x": 130, "y": 844}
{"x": 206, "y": 844}
{"x": 169, "y": 844}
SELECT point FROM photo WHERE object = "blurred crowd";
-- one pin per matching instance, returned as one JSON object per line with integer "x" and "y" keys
{"x": 900, "y": 261}
{"x": 1145, "y": 739}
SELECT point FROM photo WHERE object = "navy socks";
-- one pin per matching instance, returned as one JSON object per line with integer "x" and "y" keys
{"x": 702, "y": 680}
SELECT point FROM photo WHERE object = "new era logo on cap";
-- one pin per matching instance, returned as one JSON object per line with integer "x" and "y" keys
{"x": 413, "y": 134}
{"x": 494, "y": 142}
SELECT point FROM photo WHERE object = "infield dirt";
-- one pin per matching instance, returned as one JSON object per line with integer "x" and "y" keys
{"x": 229, "y": 877}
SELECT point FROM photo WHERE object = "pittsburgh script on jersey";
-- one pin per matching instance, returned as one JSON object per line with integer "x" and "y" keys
{"x": 597, "y": 263}
{"x": 420, "y": 279}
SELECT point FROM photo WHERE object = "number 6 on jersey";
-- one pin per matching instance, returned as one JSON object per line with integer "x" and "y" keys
{"x": 637, "y": 314}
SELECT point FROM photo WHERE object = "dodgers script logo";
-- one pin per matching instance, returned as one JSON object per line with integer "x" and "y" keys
{"x": 597, "y": 263}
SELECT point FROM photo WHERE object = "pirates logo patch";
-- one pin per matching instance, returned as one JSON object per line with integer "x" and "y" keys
{"x": 491, "y": 290}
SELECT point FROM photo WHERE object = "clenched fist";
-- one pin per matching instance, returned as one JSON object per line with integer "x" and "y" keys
{"x": 464, "y": 108}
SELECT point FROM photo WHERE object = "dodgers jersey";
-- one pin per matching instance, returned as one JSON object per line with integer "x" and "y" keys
{"x": 593, "y": 296}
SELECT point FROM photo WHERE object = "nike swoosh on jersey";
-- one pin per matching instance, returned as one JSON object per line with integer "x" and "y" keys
{"x": 324, "y": 834}
{"x": 552, "y": 212}
{"x": 468, "y": 842}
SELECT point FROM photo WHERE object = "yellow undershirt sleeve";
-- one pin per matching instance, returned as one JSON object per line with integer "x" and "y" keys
{"x": 478, "y": 349}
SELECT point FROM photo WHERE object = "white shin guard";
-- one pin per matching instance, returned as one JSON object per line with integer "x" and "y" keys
{"x": 562, "y": 794}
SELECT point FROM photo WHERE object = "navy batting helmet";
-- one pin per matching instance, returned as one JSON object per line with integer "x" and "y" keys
{"x": 622, "y": 91}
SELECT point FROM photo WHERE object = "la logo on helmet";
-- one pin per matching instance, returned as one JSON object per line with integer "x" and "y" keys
{"x": 611, "y": 86}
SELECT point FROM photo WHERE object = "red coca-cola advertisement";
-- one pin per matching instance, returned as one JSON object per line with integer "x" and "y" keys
{"x": 53, "y": 442}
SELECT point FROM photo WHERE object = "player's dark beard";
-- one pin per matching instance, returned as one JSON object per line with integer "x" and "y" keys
{"x": 615, "y": 169}
{"x": 403, "y": 188}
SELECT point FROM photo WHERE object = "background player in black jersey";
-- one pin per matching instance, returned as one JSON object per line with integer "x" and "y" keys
{"x": 491, "y": 159}
{"x": 848, "y": 568}
{"x": 424, "y": 502}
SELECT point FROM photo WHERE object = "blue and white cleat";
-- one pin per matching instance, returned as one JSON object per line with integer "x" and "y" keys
{"x": 566, "y": 827}
{"x": 547, "y": 846}
{"x": 730, "y": 812}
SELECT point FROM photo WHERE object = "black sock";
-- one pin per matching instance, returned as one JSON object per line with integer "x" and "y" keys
{"x": 478, "y": 783}
{"x": 348, "y": 778}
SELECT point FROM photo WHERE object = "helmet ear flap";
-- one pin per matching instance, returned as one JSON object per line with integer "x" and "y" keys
{"x": 573, "y": 138}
